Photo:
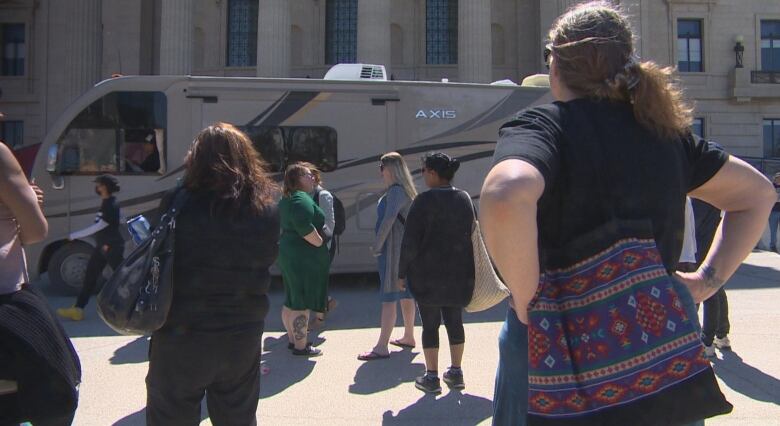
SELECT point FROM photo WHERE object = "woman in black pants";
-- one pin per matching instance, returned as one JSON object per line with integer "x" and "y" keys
{"x": 109, "y": 244}
{"x": 437, "y": 261}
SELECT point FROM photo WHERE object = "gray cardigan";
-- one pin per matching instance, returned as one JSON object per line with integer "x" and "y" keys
{"x": 391, "y": 234}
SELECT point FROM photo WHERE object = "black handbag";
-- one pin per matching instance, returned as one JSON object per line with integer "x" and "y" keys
{"x": 137, "y": 297}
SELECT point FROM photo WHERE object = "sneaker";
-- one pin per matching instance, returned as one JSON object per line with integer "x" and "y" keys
{"x": 723, "y": 344}
{"x": 73, "y": 313}
{"x": 454, "y": 379}
{"x": 428, "y": 384}
{"x": 307, "y": 351}
{"x": 709, "y": 351}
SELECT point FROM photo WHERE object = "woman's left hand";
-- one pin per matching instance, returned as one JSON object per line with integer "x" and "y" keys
{"x": 402, "y": 284}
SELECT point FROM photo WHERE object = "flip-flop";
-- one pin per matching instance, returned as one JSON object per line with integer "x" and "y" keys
{"x": 401, "y": 344}
{"x": 371, "y": 356}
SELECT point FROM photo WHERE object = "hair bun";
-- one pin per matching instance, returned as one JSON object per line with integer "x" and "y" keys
{"x": 454, "y": 164}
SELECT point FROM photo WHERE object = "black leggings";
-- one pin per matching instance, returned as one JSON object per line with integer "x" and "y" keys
{"x": 431, "y": 320}
{"x": 97, "y": 262}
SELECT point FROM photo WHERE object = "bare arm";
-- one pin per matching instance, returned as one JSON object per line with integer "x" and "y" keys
{"x": 313, "y": 238}
{"x": 508, "y": 222}
{"x": 19, "y": 196}
{"x": 746, "y": 198}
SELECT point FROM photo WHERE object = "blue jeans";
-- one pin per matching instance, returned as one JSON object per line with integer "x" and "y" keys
{"x": 510, "y": 396}
{"x": 774, "y": 221}
{"x": 510, "y": 399}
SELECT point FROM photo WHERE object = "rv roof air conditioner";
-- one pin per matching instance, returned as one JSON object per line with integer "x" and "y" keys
{"x": 357, "y": 72}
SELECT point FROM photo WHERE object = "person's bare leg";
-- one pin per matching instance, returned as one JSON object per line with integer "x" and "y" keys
{"x": 456, "y": 354}
{"x": 407, "y": 310}
{"x": 300, "y": 326}
{"x": 387, "y": 323}
{"x": 286, "y": 317}
{"x": 431, "y": 359}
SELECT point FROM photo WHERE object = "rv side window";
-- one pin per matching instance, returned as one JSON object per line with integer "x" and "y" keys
{"x": 316, "y": 145}
{"x": 121, "y": 133}
{"x": 269, "y": 142}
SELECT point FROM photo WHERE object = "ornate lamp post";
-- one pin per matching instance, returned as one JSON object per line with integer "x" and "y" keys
{"x": 739, "y": 50}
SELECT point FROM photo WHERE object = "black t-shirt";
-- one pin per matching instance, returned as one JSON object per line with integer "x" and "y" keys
{"x": 707, "y": 219}
{"x": 109, "y": 213}
{"x": 599, "y": 163}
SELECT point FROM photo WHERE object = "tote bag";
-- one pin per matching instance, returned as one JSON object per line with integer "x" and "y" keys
{"x": 489, "y": 290}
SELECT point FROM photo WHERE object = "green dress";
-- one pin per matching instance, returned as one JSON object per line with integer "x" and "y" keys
{"x": 305, "y": 268}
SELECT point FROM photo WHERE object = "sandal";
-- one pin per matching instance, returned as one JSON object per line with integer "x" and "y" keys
{"x": 371, "y": 356}
{"x": 400, "y": 344}
{"x": 307, "y": 351}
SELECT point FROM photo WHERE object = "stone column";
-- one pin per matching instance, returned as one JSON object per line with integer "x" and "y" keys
{"x": 176, "y": 40}
{"x": 84, "y": 46}
{"x": 273, "y": 38}
{"x": 475, "y": 53}
{"x": 373, "y": 33}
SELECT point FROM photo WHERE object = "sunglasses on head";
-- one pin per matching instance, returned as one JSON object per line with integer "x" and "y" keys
{"x": 547, "y": 52}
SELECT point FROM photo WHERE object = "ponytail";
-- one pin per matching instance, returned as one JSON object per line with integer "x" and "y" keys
{"x": 658, "y": 102}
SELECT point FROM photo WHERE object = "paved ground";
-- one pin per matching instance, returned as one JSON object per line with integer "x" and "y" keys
{"x": 337, "y": 389}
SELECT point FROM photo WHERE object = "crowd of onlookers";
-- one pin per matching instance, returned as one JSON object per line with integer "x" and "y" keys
{"x": 594, "y": 183}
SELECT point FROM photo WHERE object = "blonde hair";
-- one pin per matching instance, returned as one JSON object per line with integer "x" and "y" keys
{"x": 395, "y": 163}
{"x": 593, "y": 46}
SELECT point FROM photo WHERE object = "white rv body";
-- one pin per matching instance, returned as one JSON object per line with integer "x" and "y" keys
{"x": 355, "y": 122}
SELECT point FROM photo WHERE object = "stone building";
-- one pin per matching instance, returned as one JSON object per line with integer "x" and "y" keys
{"x": 54, "y": 50}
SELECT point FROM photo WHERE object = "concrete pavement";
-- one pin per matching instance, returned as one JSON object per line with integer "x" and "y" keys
{"x": 337, "y": 389}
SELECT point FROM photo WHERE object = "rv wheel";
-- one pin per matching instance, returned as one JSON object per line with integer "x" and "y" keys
{"x": 68, "y": 266}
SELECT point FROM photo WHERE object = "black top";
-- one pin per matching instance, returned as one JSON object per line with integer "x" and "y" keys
{"x": 221, "y": 266}
{"x": 776, "y": 207}
{"x": 109, "y": 213}
{"x": 436, "y": 253}
{"x": 583, "y": 146}
{"x": 707, "y": 219}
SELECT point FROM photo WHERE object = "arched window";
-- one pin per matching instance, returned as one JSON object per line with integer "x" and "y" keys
{"x": 441, "y": 32}
{"x": 242, "y": 33}
{"x": 341, "y": 31}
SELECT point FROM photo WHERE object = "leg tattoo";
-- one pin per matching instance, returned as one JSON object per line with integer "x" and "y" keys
{"x": 299, "y": 327}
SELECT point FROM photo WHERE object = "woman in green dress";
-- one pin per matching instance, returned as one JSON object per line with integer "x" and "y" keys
{"x": 303, "y": 258}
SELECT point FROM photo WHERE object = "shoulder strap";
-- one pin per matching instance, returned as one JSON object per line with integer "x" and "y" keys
{"x": 317, "y": 196}
{"x": 179, "y": 198}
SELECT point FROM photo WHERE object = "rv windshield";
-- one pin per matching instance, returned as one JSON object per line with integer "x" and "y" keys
{"x": 120, "y": 133}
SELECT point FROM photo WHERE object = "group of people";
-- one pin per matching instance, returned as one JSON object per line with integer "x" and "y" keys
{"x": 615, "y": 144}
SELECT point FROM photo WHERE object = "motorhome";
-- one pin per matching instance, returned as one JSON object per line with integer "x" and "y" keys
{"x": 139, "y": 129}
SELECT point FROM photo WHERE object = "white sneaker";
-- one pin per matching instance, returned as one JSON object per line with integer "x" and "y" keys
{"x": 709, "y": 351}
{"x": 723, "y": 344}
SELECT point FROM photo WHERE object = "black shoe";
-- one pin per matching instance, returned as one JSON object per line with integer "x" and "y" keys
{"x": 291, "y": 345}
{"x": 428, "y": 384}
{"x": 307, "y": 351}
{"x": 454, "y": 379}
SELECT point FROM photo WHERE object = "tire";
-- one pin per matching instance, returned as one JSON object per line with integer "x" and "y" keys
{"x": 68, "y": 266}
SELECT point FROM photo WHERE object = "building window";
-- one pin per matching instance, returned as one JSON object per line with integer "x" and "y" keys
{"x": 772, "y": 138}
{"x": 12, "y": 43}
{"x": 441, "y": 32}
{"x": 698, "y": 127}
{"x": 12, "y": 133}
{"x": 242, "y": 33}
{"x": 341, "y": 32}
{"x": 690, "y": 52}
{"x": 770, "y": 45}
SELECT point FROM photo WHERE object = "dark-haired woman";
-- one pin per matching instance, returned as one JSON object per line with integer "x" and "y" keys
{"x": 227, "y": 237}
{"x": 109, "y": 244}
{"x": 437, "y": 263}
{"x": 615, "y": 144}
{"x": 303, "y": 258}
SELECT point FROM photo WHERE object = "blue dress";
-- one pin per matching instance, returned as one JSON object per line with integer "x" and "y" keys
{"x": 381, "y": 260}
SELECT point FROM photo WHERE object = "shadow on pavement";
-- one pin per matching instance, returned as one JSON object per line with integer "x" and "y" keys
{"x": 134, "y": 352}
{"x": 468, "y": 409}
{"x": 746, "y": 379}
{"x": 750, "y": 276}
{"x": 383, "y": 374}
{"x": 139, "y": 417}
{"x": 286, "y": 368}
